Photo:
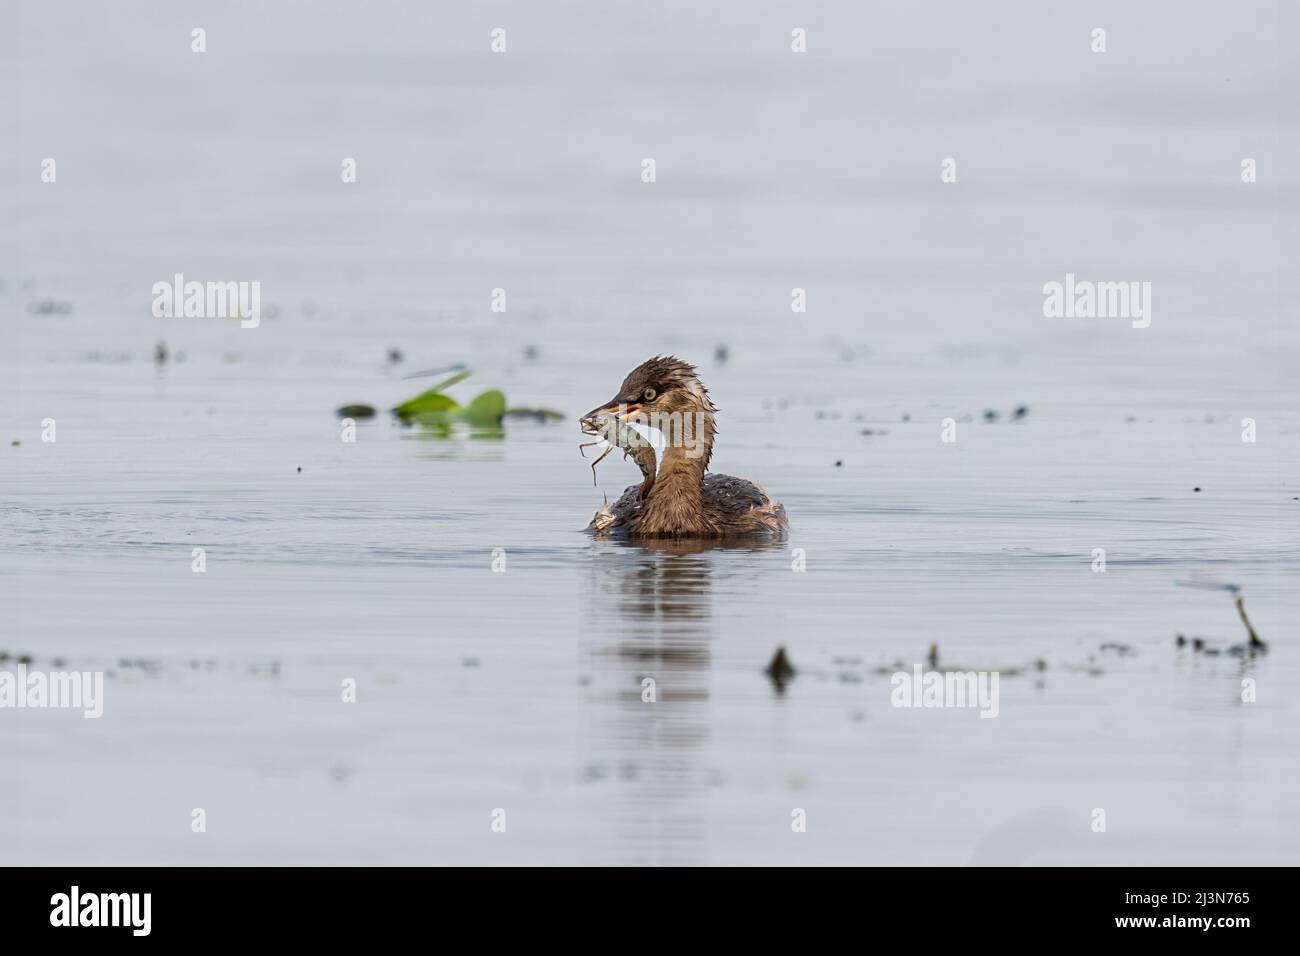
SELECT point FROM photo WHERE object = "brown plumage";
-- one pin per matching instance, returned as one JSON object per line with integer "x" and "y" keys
{"x": 683, "y": 501}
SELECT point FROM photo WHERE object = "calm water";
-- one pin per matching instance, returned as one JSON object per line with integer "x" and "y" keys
{"x": 522, "y": 690}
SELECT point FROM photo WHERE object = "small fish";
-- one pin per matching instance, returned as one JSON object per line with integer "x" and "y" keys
{"x": 619, "y": 434}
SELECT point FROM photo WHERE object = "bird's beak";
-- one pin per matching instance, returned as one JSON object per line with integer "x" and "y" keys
{"x": 620, "y": 410}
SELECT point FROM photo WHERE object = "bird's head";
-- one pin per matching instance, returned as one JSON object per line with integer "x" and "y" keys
{"x": 658, "y": 386}
{"x": 665, "y": 393}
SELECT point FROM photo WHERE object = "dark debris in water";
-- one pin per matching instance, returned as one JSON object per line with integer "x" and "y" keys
{"x": 542, "y": 415}
{"x": 49, "y": 307}
{"x": 1254, "y": 644}
{"x": 153, "y": 667}
{"x": 932, "y": 662}
{"x": 781, "y": 671}
{"x": 357, "y": 410}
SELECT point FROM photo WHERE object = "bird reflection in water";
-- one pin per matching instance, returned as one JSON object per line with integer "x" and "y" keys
{"x": 647, "y": 646}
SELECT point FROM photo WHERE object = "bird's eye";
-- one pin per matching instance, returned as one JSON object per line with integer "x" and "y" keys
{"x": 649, "y": 394}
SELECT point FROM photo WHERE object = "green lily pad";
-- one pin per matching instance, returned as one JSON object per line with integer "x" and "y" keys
{"x": 430, "y": 428}
{"x": 435, "y": 418}
{"x": 430, "y": 402}
{"x": 437, "y": 411}
{"x": 486, "y": 410}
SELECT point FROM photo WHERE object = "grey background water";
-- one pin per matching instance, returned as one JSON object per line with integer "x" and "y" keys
{"x": 522, "y": 690}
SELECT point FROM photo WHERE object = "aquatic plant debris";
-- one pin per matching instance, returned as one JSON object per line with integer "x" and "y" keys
{"x": 1239, "y": 600}
{"x": 358, "y": 410}
{"x": 1210, "y": 584}
{"x": 536, "y": 414}
{"x": 1255, "y": 642}
{"x": 487, "y": 409}
{"x": 780, "y": 670}
{"x": 431, "y": 400}
{"x": 425, "y": 373}
{"x": 435, "y": 409}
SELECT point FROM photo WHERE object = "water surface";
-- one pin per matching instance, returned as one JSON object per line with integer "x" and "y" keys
{"x": 522, "y": 690}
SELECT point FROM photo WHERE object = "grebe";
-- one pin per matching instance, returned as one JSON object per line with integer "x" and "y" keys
{"x": 681, "y": 501}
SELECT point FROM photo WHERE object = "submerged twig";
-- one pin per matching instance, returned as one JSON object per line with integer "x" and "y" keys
{"x": 1254, "y": 638}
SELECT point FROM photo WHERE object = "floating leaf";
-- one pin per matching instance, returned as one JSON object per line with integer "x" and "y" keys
{"x": 432, "y": 401}
{"x": 435, "y": 417}
{"x": 431, "y": 427}
{"x": 486, "y": 410}
{"x": 358, "y": 410}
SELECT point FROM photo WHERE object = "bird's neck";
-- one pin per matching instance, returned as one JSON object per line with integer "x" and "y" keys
{"x": 676, "y": 501}
{"x": 680, "y": 475}
{"x": 675, "y": 505}
{"x": 688, "y": 443}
